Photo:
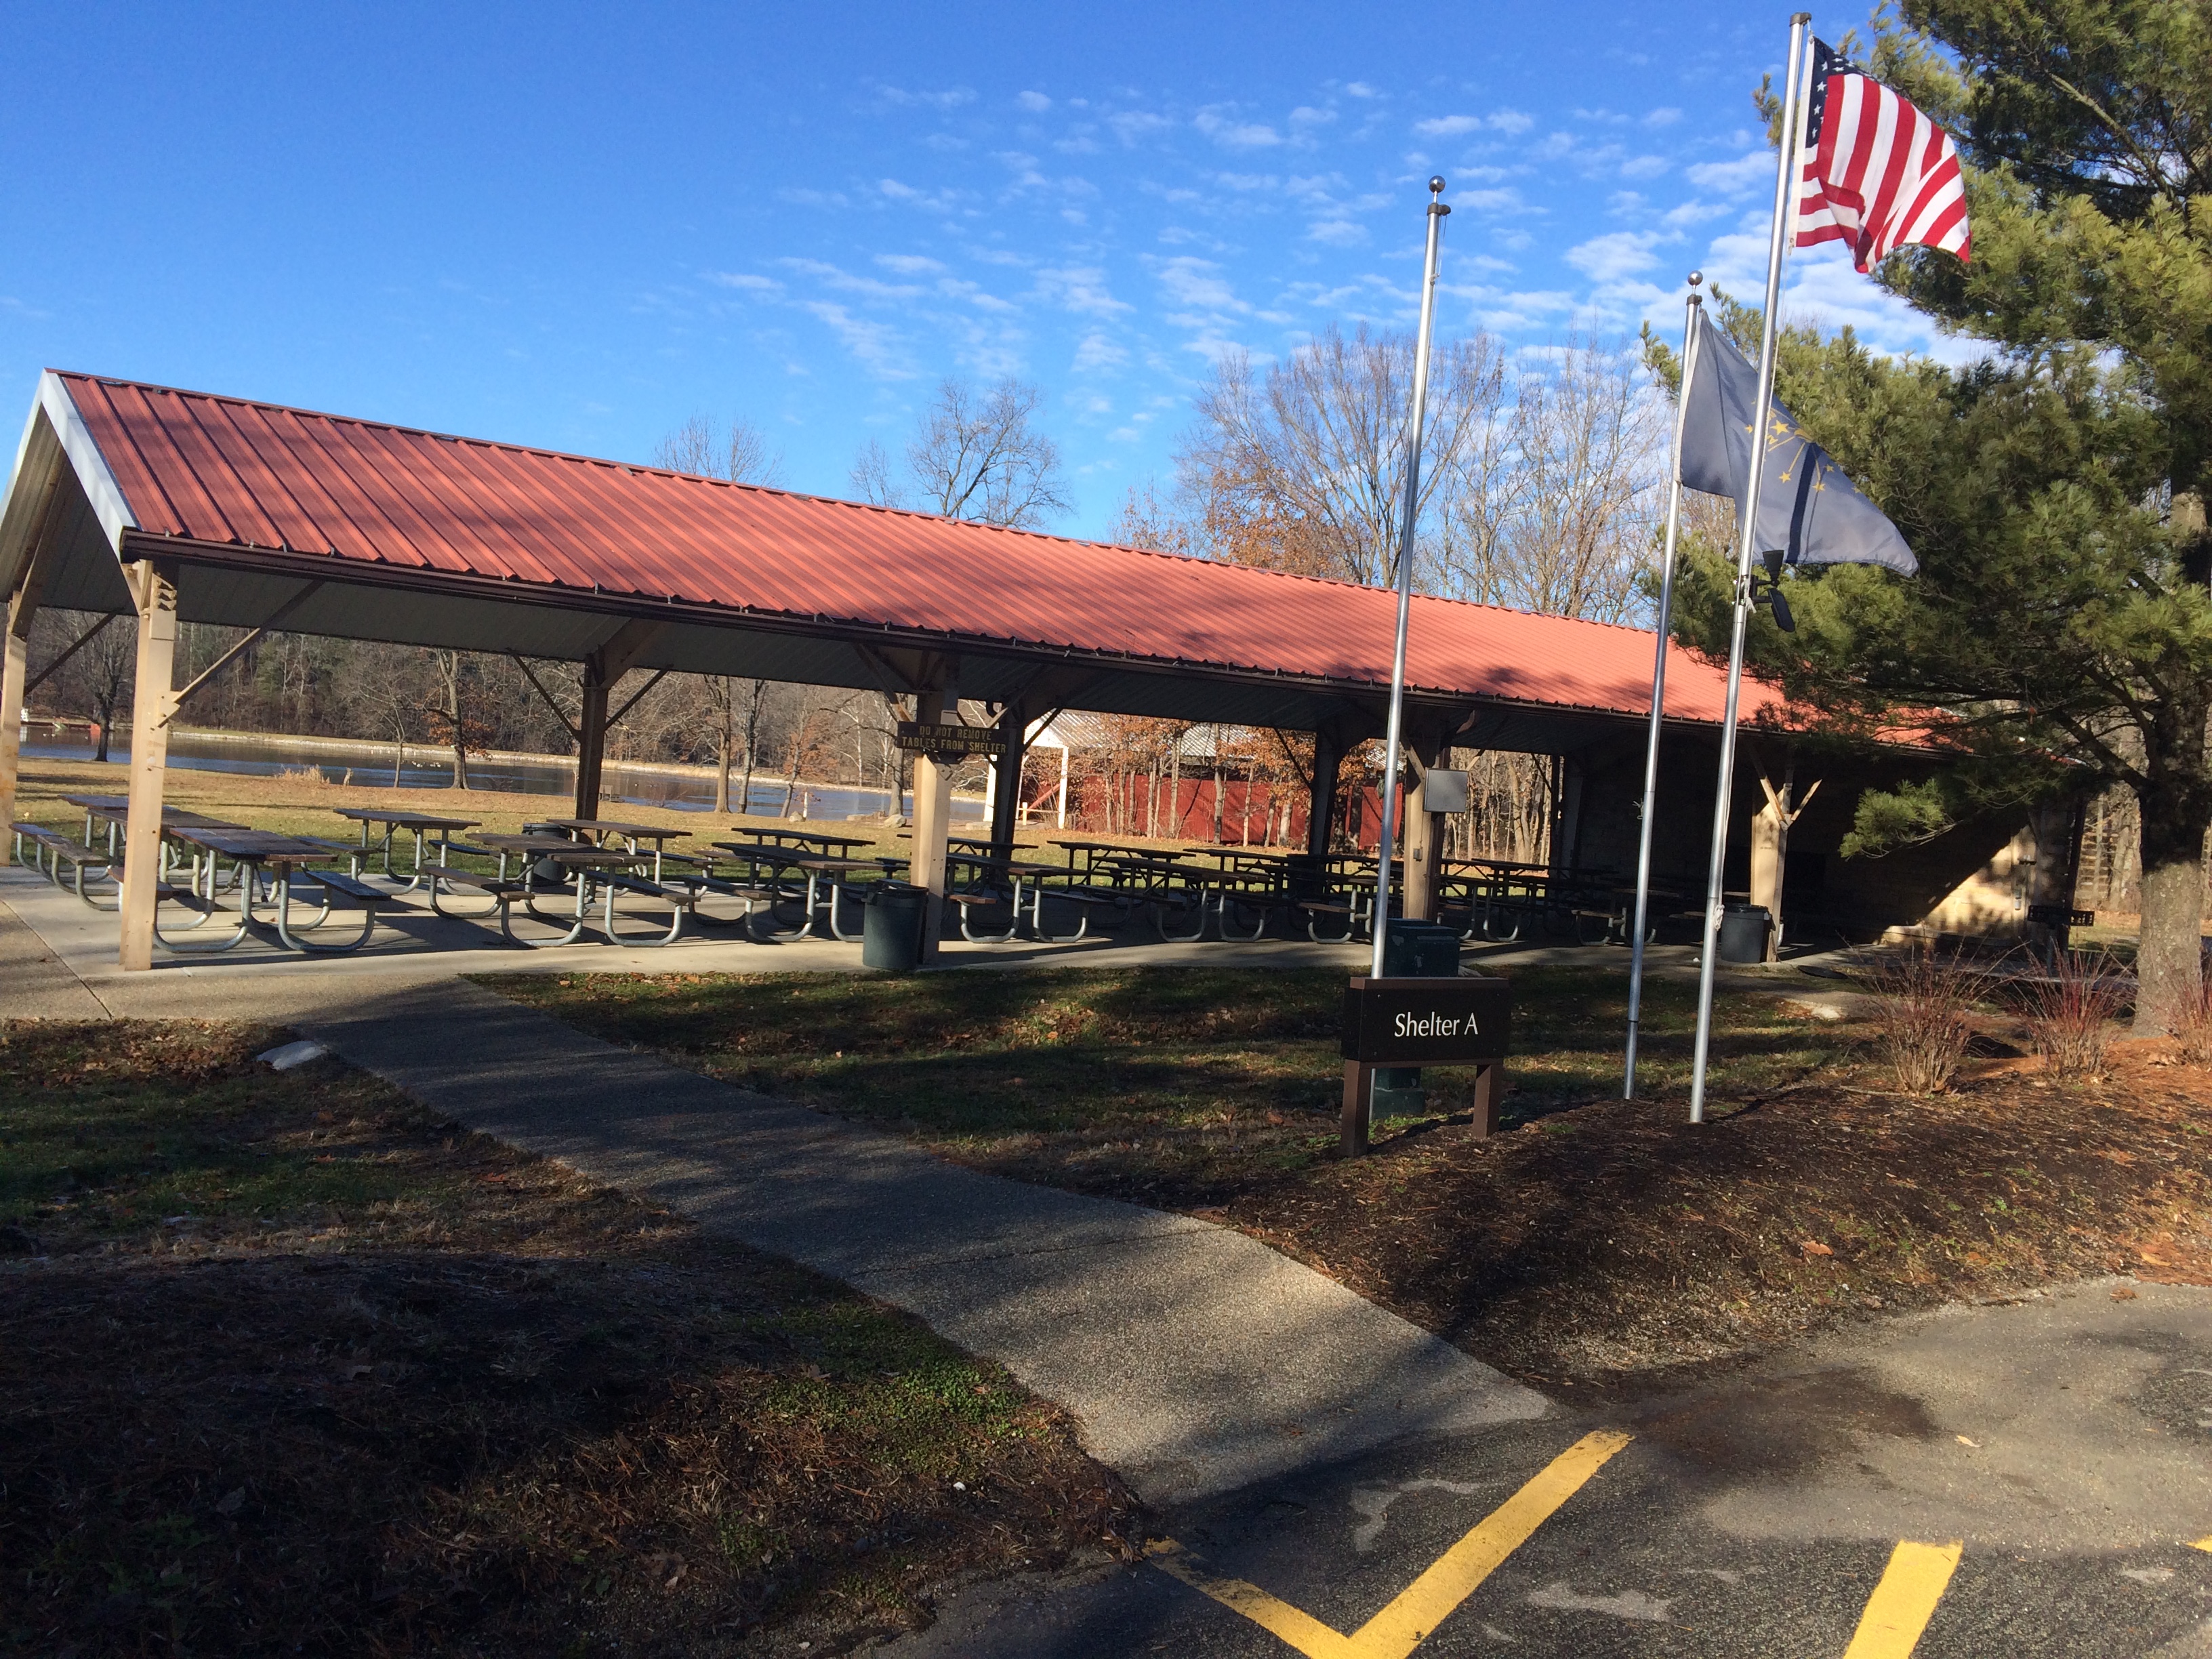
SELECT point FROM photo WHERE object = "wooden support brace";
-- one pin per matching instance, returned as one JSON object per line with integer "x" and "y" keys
{"x": 176, "y": 699}
{"x": 57, "y": 665}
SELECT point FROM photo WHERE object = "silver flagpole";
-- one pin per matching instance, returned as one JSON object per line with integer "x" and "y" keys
{"x": 1785, "y": 201}
{"x": 1659, "y": 685}
{"x": 1384, "y": 848}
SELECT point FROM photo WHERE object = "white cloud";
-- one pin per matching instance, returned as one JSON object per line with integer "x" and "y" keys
{"x": 1219, "y": 123}
{"x": 1095, "y": 352}
{"x": 1662, "y": 118}
{"x": 1448, "y": 126}
{"x": 938, "y": 201}
{"x": 877, "y": 347}
{"x": 1645, "y": 166}
{"x": 1616, "y": 254}
{"x": 908, "y": 264}
{"x": 1734, "y": 178}
{"x": 1511, "y": 120}
{"x": 1199, "y": 283}
{"x": 1082, "y": 289}
{"x": 1306, "y": 116}
{"x": 1134, "y": 126}
{"x": 1036, "y": 102}
{"x": 1361, "y": 90}
{"x": 1337, "y": 233}
{"x": 745, "y": 281}
{"x": 846, "y": 283}
{"x": 950, "y": 98}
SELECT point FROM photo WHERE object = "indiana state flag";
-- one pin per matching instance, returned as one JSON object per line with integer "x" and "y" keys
{"x": 1808, "y": 508}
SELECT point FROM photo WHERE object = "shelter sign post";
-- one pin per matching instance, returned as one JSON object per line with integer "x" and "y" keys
{"x": 1785, "y": 184}
{"x": 1416, "y": 419}
{"x": 1423, "y": 1022}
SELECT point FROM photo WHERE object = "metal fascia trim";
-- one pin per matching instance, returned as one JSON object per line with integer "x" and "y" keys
{"x": 92, "y": 471}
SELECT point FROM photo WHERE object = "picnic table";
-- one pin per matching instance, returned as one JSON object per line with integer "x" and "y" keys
{"x": 1019, "y": 876}
{"x": 583, "y": 871}
{"x": 280, "y": 860}
{"x": 828, "y": 845}
{"x": 599, "y": 830}
{"x": 420, "y": 825}
{"x": 1093, "y": 852}
{"x": 834, "y": 873}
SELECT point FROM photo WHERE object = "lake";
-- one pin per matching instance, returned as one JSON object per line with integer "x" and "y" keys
{"x": 373, "y": 765}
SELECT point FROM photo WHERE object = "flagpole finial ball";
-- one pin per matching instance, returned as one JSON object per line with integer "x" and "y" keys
{"x": 1437, "y": 184}
{"x": 1696, "y": 278}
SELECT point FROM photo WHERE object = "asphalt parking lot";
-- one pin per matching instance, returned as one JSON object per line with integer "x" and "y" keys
{"x": 2024, "y": 1478}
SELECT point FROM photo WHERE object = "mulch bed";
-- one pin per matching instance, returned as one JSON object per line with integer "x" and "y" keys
{"x": 496, "y": 1410}
{"x": 1599, "y": 1245}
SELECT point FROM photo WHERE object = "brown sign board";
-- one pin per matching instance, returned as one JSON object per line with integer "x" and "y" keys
{"x": 1427, "y": 1021}
{"x": 942, "y": 742}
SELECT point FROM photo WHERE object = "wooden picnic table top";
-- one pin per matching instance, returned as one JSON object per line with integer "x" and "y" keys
{"x": 231, "y": 840}
{"x": 562, "y": 850}
{"x": 828, "y": 865}
{"x": 614, "y": 826}
{"x": 400, "y": 819}
{"x": 118, "y": 807}
{"x": 1017, "y": 866}
{"x": 772, "y": 838}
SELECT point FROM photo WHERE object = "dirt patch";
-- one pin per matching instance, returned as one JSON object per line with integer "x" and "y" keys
{"x": 294, "y": 1367}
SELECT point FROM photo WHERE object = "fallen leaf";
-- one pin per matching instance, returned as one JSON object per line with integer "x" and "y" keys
{"x": 2124, "y": 1294}
{"x": 1813, "y": 1247}
{"x": 232, "y": 1501}
{"x": 1963, "y": 1441}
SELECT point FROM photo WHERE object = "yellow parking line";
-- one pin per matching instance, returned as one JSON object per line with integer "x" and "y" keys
{"x": 1905, "y": 1600}
{"x": 1427, "y": 1602}
{"x": 2204, "y": 1544}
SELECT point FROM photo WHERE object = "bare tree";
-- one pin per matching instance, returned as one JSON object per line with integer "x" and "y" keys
{"x": 1304, "y": 468}
{"x": 106, "y": 669}
{"x": 1569, "y": 531}
{"x": 977, "y": 454}
{"x": 738, "y": 451}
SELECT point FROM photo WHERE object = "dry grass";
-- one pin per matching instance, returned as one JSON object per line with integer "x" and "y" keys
{"x": 292, "y": 1367}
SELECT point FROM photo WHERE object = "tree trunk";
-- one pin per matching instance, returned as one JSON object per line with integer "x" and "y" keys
{"x": 725, "y": 742}
{"x": 2169, "y": 953}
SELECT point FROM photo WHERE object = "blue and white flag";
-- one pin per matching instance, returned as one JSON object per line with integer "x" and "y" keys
{"x": 1808, "y": 508}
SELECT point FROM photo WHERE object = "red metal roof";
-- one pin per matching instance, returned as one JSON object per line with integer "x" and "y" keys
{"x": 227, "y": 470}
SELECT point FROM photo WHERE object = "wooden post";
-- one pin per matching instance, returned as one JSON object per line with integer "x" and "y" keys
{"x": 932, "y": 814}
{"x": 1327, "y": 756}
{"x": 11, "y": 718}
{"x": 1358, "y": 1109}
{"x": 1006, "y": 774}
{"x": 603, "y": 669}
{"x": 153, "y": 583}
{"x": 1489, "y": 1085}
{"x": 1770, "y": 847}
{"x": 16, "y": 643}
{"x": 591, "y": 743}
{"x": 1423, "y": 835}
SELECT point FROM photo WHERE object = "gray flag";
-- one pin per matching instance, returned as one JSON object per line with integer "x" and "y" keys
{"x": 1808, "y": 508}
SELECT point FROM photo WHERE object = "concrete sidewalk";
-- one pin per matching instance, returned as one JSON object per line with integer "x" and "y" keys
{"x": 1197, "y": 1360}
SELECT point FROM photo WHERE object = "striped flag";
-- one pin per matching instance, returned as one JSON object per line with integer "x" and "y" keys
{"x": 1878, "y": 173}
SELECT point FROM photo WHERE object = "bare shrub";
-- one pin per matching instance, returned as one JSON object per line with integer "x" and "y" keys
{"x": 2192, "y": 1021}
{"x": 2070, "y": 1009}
{"x": 310, "y": 777}
{"x": 1922, "y": 1001}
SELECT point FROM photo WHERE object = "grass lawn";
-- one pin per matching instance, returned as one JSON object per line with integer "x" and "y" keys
{"x": 1596, "y": 1242}
{"x": 292, "y": 1366}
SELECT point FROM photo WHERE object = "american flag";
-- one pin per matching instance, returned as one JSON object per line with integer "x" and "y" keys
{"x": 1878, "y": 173}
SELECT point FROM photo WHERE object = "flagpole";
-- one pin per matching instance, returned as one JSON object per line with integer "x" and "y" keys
{"x": 1785, "y": 195}
{"x": 1420, "y": 414}
{"x": 1659, "y": 687}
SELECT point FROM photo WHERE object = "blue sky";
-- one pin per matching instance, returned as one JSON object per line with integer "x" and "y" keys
{"x": 575, "y": 227}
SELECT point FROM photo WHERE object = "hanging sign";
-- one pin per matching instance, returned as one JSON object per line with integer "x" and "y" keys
{"x": 949, "y": 741}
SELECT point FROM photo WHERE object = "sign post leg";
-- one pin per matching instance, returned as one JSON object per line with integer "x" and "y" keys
{"x": 1359, "y": 1098}
{"x": 1489, "y": 1085}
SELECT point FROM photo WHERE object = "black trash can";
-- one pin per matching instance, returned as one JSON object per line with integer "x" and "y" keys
{"x": 890, "y": 926}
{"x": 545, "y": 872}
{"x": 1743, "y": 932}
